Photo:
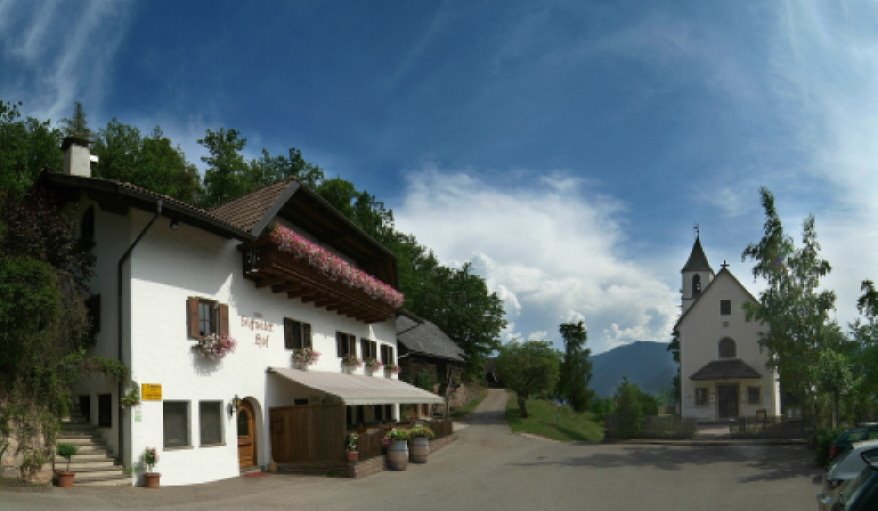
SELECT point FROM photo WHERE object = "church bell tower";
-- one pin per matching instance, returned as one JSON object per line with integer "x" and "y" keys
{"x": 696, "y": 274}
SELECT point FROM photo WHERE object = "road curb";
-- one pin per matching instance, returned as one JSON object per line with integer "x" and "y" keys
{"x": 709, "y": 443}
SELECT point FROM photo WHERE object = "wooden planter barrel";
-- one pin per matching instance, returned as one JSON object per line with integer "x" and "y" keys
{"x": 398, "y": 455}
{"x": 420, "y": 449}
{"x": 152, "y": 479}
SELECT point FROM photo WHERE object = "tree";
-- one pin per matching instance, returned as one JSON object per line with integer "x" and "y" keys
{"x": 795, "y": 312}
{"x": 575, "y": 366}
{"x": 77, "y": 125}
{"x": 227, "y": 174}
{"x": 529, "y": 369}
{"x": 151, "y": 162}
{"x": 628, "y": 410}
{"x": 674, "y": 348}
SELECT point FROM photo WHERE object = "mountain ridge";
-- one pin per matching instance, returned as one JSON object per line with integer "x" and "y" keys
{"x": 647, "y": 363}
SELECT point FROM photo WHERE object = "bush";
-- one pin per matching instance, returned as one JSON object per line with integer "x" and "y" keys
{"x": 823, "y": 438}
{"x": 628, "y": 413}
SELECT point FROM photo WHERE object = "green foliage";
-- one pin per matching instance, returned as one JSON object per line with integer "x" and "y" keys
{"x": 575, "y": 367}
{"x": 823, "y": 438}
{"x": 66, "y": 451}
{"x": 797, "y": 314}
{"x": 77, "y": 125}
{"x": 421, "y": 432}
{"x": 600, "y": 407}
{"x": 424, "y": 379}
{"x": 27, "y": 146}
{"x": 628, "y": 410}
{"x": 674, "y": 348}
{"x": 226, "y": 175}
{"x": 529, "y": 369}
{"x": 151, "y": 162}
{"x": 397, "y": 434}
{"x": 546, "y": 419}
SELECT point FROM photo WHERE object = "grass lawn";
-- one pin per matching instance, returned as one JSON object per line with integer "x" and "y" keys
{"x": 551, "y": 421}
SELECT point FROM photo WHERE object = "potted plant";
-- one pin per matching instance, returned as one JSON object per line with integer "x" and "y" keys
{"x": 398, "y": 452}
{"x": 66, "y": 451}
{"x": 304, "y": 357}
{"x": 150, "y": 458}
{"x": 420, "y": 437}
{"x": 214, "y": 347}
{"x": 350, "y": 447}
{"x": 350, "y": 362}
{"x": 391, "y": 369}
{"x": 373, "y": 364}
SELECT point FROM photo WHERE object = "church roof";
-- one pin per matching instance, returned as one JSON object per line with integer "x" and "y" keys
{"x": 724, "y": 271}
{"x": 731, "y": 369}
{"x": 697, "y": 260}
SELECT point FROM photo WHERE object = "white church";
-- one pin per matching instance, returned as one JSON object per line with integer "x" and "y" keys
{"x": 722, "y": 366}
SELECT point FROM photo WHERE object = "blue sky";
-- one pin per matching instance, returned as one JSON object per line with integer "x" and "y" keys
{"x": 566, "y": 148}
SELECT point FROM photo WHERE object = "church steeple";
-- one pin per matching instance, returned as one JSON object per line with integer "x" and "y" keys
{"x": 696, "y": 273}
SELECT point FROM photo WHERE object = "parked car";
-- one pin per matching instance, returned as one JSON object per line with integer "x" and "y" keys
{"x": 842, "y": 470}
{"x": 861, "y": 493}
{"x": 864, "y": 431}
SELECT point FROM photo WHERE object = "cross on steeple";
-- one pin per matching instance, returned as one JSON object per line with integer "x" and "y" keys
{"x": 697, "y": 230}
{"x": 725, "y": 264}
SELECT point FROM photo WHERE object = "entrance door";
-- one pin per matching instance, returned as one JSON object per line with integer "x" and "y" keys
{"x": 246, "y": 435}
{"x": 727, "y": 400}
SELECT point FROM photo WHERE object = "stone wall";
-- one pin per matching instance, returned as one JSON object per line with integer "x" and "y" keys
{"x": 11, "y": 460}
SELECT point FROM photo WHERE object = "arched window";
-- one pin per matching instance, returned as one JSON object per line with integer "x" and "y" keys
{"x": 696, "y": 285}
{"x": 727, "y": 348}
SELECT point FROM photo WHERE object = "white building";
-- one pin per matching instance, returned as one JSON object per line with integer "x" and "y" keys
{"x": 722, "y": 365}
{"x": 277, "y": 270}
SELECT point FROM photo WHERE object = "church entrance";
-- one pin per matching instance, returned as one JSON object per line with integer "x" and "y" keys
{"x": 727, "y": 400}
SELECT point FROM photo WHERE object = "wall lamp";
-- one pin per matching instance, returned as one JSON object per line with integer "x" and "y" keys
{"x": 234, "y": 404}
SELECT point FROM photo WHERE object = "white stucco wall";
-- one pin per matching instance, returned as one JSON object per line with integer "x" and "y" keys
{"x": 166, "y": 268}
{"x": 701, "y": 329}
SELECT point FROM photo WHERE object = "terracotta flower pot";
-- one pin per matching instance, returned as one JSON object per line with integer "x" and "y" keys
{"x": 352, "y": 455}
{"x": 152, "y": 479}
{"x": 64, "y": 478}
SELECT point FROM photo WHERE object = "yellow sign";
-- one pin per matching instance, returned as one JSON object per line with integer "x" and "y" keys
{"x": 151, "y": 391}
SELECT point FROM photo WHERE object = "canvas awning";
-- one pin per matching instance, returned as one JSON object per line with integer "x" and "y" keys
{"x": 358, "y": 390}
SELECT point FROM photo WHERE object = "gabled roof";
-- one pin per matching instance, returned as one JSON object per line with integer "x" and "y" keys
{"x": 723, "y": 272}
{"x": 731, "y": 369}
{"x": 253, "y": 211}
{"x": 697, "y": 259}
{"x": 120, "y": 195}
{"x": 423, "y": 337}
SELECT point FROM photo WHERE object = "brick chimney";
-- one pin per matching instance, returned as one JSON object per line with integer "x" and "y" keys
{"x": 77, "y": 157}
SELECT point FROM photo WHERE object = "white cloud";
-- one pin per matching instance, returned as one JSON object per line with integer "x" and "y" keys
{"x": 552, "y": 251}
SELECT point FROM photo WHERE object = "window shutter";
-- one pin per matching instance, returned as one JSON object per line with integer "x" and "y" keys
{"x": 192, "y": 318}
{"x": 339, "y": 347}
{"x": 306, "y": 334}
{"x": 288, "y": 326}
{"x": 223, "y": 319}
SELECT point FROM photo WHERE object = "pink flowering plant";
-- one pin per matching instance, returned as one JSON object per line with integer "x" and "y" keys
{"x": 373, "y": 363}
{"x": 214, "y": 347}
{"x": 334, "y": 267}
{"x": 391, "y": 368}
{"x": 305, "y": 357}
{"x": 351, "y": 361}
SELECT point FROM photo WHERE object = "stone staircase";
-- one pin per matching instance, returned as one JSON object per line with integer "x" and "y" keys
{"x": 92, "y": 465}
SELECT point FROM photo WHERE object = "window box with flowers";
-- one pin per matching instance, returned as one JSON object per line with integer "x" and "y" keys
{"x": 391, "y": 369}
{"x": 214, "y": 347}
{"x": 350, "y": 362}
{"x": 372, "y": 364}
{"x": 304, "y": 357}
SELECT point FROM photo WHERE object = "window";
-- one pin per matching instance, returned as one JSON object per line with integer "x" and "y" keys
{"x": 387, "y": 355}
{"x": 297, "y": 335}
{"x": 93, "y": 310}
{"x": 727, "y": 348}
{"x": 176, "y": 423}
{"x": 205, "y": 317}
{"x": 701, "y": 397}
{"x": 754, "y": 395}
{"x": 346, "y": 344}
{"x": 87, "y": 227}
{"x": 725, "y": 307}
{"x": 105, "y": 410}
{"x": 210, "y": 422}
{"x": 369, "y": 349}
{"x": 696, "y": 285}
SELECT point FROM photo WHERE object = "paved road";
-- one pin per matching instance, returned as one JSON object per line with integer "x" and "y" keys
{"x": 490, "y": 468}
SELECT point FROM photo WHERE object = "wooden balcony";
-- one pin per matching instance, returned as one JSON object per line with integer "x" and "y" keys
{"x": 267, "y": 266}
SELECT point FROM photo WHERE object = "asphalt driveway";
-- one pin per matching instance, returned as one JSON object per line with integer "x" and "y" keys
{"x": 490, "y": 468}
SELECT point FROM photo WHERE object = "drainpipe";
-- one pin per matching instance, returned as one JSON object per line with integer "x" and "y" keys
{"x": 119, "y": 325}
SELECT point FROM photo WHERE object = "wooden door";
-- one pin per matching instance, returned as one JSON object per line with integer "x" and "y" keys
{"x": 246, "y": 435}
{"x": 727, "y": 400}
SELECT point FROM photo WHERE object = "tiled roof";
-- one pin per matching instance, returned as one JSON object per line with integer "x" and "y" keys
{"x": 732, "y": 369}
{"x": 246, "y": 211}
{"x": 421, "y": 336}
{"x": 697, "y": 260}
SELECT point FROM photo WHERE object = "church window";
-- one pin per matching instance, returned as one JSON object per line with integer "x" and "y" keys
{"x": 725, "y": 307}
{"x": 753, "y": 396}
{"x": 696, "y": 285}
{"x": 701, "y": 397}
{"x": 727, "y": 348}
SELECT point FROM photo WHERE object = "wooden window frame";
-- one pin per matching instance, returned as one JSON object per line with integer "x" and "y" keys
{"x": 297, "y": 334}
{"x": 345, "y": 344}
{"x": 188, "y": 428}
{"x": 201, "y": 425}
{"x": 218, "y": 321}
{"x": 387, "y": 355}
{"x": 369, "y": 349}
{"x": 754, "y": 390}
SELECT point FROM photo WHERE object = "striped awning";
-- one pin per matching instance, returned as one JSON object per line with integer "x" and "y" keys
{"x": 358, "y": 390}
